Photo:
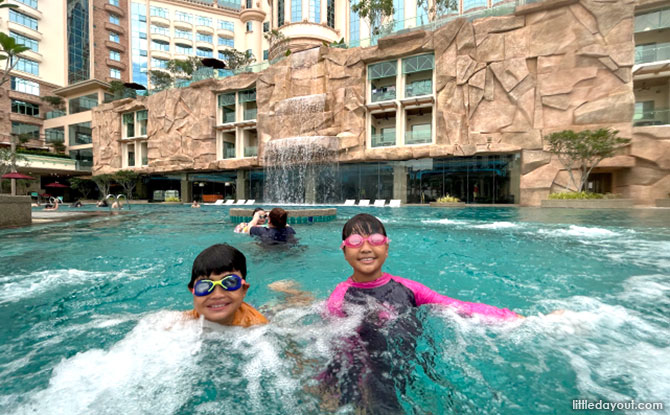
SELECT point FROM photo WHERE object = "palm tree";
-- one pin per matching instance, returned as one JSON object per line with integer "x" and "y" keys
{"x": 9, "y": 51}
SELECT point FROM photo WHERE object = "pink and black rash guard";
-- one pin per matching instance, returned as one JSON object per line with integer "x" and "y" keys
{"x": 399, "y": 294}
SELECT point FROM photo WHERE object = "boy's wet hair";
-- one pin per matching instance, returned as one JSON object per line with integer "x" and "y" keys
{"x": 218, "y": 259}
{"x": 363, "y": 224}
{"x": 278, "y": 218}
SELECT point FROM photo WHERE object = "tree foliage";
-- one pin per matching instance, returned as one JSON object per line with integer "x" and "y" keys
{"x": 128, "y": 180}
{"x": 374, "y": 12}
{"x": 9, "y": 52}
{"x": 55, "y": 101}
{"x": 582, "y": 151}
{"x": 119, "y": 90}
{"x": 174, "y": 69}
{"x": 103, "y": 181}
{"x": 83, "y": 186}
{"x": 235, "y": 59}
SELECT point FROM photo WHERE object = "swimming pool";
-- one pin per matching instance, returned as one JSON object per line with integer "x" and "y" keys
{"x": 90, "y": 321}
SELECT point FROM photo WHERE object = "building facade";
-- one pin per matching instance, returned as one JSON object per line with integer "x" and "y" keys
{"x": 459, "y": 107}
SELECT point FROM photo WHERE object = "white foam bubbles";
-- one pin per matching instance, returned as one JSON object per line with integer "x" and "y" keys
{"x": 581, "y": 232}
{"x": 498, "y": 225}
{"x": 444, "y": 221}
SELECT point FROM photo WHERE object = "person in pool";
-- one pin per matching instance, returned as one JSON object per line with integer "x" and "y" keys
{"x": 244, "y": 226}
{"x": 277, "y": 231}
{"x": 375, "y": 361}
{"x": 218, "y": 285}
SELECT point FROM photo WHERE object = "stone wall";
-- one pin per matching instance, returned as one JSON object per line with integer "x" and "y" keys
{"x": 501, "y": 85}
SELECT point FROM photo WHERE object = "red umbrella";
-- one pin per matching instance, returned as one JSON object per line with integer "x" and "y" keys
{"x": 17, "y": 175}
{"x": 56, "y": 184}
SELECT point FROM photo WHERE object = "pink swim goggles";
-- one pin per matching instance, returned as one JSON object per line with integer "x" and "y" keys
{"x": 356, "y": 241}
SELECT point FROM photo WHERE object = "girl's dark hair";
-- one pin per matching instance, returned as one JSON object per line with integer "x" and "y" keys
{"x": 218, "y": 259}
{"x": 257, "y": 210}
{"x": 363, "y": 224}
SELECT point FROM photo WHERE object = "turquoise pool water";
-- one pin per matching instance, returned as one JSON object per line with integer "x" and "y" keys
{"x": 90, "y": 319}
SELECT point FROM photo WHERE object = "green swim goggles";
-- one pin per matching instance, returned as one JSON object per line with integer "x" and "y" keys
{"x": 231, "y": 282}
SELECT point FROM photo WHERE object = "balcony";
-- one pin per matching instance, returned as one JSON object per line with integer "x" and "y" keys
{"x": 115, "y": 64}
{"x": 382, "y": 94}
{"x": 55, "y": 114}
{"x": 115, "y": 46}
{"x": 45, "y": 162}
{"x": 24, "y": 30}
{"x": 160, "y": 54}
{"x": 250, "y": 114}
{"x": 114, "y": 10}
{"x": 204, "y": 29}
{"x": 645, "y": 54}
{"x": 419, "y": 88}
{"x": 653, "y": 117}
{"x": 159, "y": 21}
{"x": 233, "y": 5}
{"x": 179, "y": 24}
{"x": 25, "y": 9}
{"x": 115, "y": 28}
{"x": 657, "y": 20}
{"x": 160, "y": 37}
{"x": 257, "y": 15}
{"x": 227, "y": 33}
{"x": 251, "y": 151}
{"x": 384, "y": 139}
{"x": 418, "y": 137}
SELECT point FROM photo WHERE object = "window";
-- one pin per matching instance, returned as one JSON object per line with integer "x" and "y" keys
{"x": 315, "y": 11}
{"x": 80, "y": 133}
{"x": 296, "y": 11}
{"x": 184, "y": 17}
{"x": 265, "y": 54}
{"x": 114, "y": 19}
{"x": 29, "y": 3}
{"x": 78, "y": 41}
{"x": 250, "y": 53}
{"x": 331, "y": 13}
{"x": 418, "y": 71}
{"x": 159, "y": 12}
{"x": 266, "y": 27}
{"x": 471, "y": 4}
{"x": 81, "y": 104}
{"x": 160, "y": 45}
{"x": 204, "y": 21}
{"x": 55, "y": 135}
{"x": 114, "y": 37}
{"x": 144, "y": 150}
{"x": 84, "y": 158}
{"x": 143, "y": 52}
{"x": 160, "y": 30}
{"x": 227, "y": 104}
{"x": 22, "y": 19}
{"x": 201, "y": 37}
{"x": 280, "y": 13}
{"x": 142, "y": 35}
{"x": 158, "y": 63}
{"x": 114, "y": 55}
{"x": 224, "y": 41}
{"x": 644, "y": 110}
{"x": 135, "y": 124}
{"x": 130, "y": 154}
{"x": 204, "y": 52}
{"x": 250, "y": 4}
{"x": 26, "y": 41}
{"x": 26, "y": 86}
{"x": 115, "y": 73}
{"x": 354, "y": 27}
{"x": 421, "y": 14}
{"x": 25, "y": 108}
{"x": 183, "y": 34}
{"x": 399, "y": 14}
{"x": 26, "y": 130}
{"x": 114, "y": 2}
{"x": 183, "y": 49}
{"x": 26, "y": 65}
{"x": 226, "y": 25}
{"x": 250, "y": 27}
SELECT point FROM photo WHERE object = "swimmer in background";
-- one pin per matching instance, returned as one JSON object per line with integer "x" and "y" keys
{"x": 195, "y": 204}
{"x": 277, "y": 232}
{"x": 244, "y": 227}
{"x": 53, "y": 206}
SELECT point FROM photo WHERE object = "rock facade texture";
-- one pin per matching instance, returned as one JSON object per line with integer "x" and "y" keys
{"x": 501, "y": 85}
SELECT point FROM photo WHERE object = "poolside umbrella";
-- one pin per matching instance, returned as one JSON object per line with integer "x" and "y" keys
{"x": 17, "y": 175}
{"x": 135, "y": 86}
{"x": 56, "y": 184}
{"x": 213, "y": 63}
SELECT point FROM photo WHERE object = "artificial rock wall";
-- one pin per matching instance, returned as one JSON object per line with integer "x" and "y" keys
{"x": 501, "y": 85}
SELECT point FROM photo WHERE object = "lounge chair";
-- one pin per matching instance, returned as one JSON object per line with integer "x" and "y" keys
{"x": 394, "y": 203}
{"x": 364, "y": 202}
{"x": 218, "y": 202}
{"x": 229, "y": 202}
{"x": 379, "y": 203}
{"x": 350, "y": 202}
{"x": 250, "y": 202}
{"x": 240, "y": 202}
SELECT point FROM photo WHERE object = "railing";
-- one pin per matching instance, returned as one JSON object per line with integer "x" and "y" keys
{"x": 385, "y": 94}
{"x": 383, "y": 140}
{"x": 230, "y": 4}
{"x": 654, "y": 117}
{"x": 251, "y": 151}
{"x": 228, "y": 151}
{"x": 55, "y": 114}
{"x": 419, "y": 88}
{"x": 652, "y": 53}
{"x": 228, "y": 117}
{"x": 250, "y": 114}
{"x": 418, "y": 137}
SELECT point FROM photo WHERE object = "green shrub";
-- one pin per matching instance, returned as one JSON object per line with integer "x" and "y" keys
{"x": 577, "y": 195}
{"x": 172, "y": 199}
{"x": 448, "y": 199}
{"x": 41, "y": 153}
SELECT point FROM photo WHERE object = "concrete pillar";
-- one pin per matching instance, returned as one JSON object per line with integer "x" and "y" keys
{"x": 400, "y": 183}
{"x": 240, "y": 184}
{"x": 186, "y": 193}
{"x": 15, "y": 211}
{"x": 310, "y": 186}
